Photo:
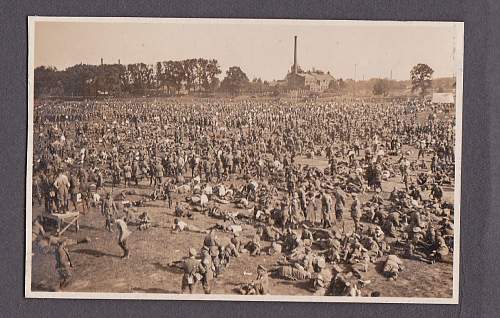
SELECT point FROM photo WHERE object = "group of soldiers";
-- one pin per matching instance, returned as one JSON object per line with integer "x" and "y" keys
{"x": 333, "y": 186}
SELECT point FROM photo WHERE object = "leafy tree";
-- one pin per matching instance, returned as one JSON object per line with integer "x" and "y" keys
{"x": 214, "y": 84}
{"x": 159, "y": 76}
{"x": 47, "y": 81}
{"x": 235, "y": 80}
{"x": 206, "y": 72}
{"x": 110, "y": 78}
{"x": 201, "y": 72}
{"x": 421, "y": 78}
{"x": 188, "y": 76}
{"x": 213, "y": 69}
{"x": 380, "y": 87}
{"x": 178, "y": 75}
{"x": 78, "y": 77}
{"x": 168, "y": 75}
{"x": 141, "y": 76}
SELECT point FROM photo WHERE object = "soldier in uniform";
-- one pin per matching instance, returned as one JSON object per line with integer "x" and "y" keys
{"x": 208, "y": 269}
{"x": 159, "y": 173}
{"x": 436, "y": 192}
{"x": 136, "y": 171}
{"x": 192, "y": 269}
{"x": 321, "y": 278}
{"x": 236, "y": 241}
{"x": 254, "y": 246}
{"x": 63, "y": 264}
{"x": 285, "y": 214}
{"x": 127, "y": 174}
{"x": 168, "y": 189}
{"x": 124, "y": 233}
{"x": 62, "y": 185}
{"x": 86, "y": 194}
{"x": 74, "y": 189}
{"x": 326, "y": 207}
{"x": 144, "y": 221}
{"x": 261, "y": 283}
{"x": 356, "y": 211}
{"x": 109, "y": 210}
{"x": 340, "y": 202}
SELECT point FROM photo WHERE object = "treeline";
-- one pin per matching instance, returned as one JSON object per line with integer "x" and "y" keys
{"x": 384, "y": 86}
{"x": 169, "y": 77}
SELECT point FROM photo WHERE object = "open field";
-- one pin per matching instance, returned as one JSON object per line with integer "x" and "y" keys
{"x": 99, "y": 268}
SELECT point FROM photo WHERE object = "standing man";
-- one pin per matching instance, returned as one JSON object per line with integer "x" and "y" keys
{"x": 159, "y": 173}
{"x": 191, "y": 268}
{"x": 168, "y": 189}
{"x": 356, "y": 211}
{"x": 109, "y": 210}
{"x": 63, "y": 264}
{"x": 124, "y": 233}
{"x": 136, "y": 170}
{"x": 303, "y": 200}
{"x": 207, "y": 273}
{"x": 74, "y": 189}
{"x": 62, "y": 185}
{"x": 339, "y": 204}
{"x": 261, "y": 283}
{"x": 127, "y": 173}
{"x": 436, "y": 192}
{"x": 326, "y": 207}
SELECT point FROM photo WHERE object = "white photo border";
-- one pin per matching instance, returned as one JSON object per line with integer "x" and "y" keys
{"x": 458, "y": 58}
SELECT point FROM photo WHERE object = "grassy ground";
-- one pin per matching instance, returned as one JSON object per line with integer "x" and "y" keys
{"x": 98, "y": 267}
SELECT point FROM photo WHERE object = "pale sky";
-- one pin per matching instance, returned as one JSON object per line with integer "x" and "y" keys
{"x": 262, "y": 48}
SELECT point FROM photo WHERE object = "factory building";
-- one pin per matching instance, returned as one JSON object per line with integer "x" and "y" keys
{"x": 312, "y": 81}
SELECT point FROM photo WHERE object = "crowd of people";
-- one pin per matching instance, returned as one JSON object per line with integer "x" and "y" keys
{"x": 329, "y": 187}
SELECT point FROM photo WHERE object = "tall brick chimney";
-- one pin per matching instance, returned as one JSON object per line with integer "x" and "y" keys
{"x": 295, "y": 54}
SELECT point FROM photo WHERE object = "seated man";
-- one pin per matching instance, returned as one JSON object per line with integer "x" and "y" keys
{"x": 254, "y": 246}
{"x": 144, "y": 221}
{"x": 260, "y": 286}
{"x": 181, "y": 211}
{"x": 377, "y": 198}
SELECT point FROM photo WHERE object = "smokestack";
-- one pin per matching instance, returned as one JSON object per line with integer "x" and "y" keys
{"x": 119, "y": 61}
{"x": 295, "y": 55}
{"x": 102, "y": 61}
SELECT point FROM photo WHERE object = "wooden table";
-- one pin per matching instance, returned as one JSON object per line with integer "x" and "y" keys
{"x": 64, "y": 219}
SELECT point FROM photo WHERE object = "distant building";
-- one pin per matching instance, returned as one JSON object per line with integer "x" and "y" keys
{"x": 312, "y": 81}
{"x": 316, "y": 82}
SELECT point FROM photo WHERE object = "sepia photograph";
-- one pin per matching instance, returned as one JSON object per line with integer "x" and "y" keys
{"x": 244, "y": 159}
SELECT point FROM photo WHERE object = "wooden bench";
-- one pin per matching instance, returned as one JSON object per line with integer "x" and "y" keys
{"x": 64, "y": 220}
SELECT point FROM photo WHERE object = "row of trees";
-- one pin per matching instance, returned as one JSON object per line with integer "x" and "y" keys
{"x": 193, "y": 75}
{"x": 84, "y": 79}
